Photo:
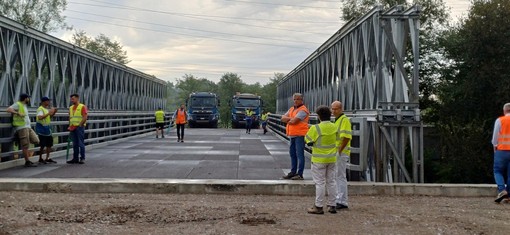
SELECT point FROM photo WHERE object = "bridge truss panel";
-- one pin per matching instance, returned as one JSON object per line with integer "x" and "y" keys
{"x": 41, "y": 65}
{"x": 371, "y": 65}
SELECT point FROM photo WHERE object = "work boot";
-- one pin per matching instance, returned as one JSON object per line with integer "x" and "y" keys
{"x": 501, "y": 195}
{"x": 30, "y": 164}
{"x": 332, "y": 209}
{"x": 289, "y": 176}
{"x": 315, "y": 210}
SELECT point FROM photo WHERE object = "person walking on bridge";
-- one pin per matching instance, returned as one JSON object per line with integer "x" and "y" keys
{"x": 180, "y": 116}
{"x": 344, "y": 150}
{"x": 324, "y": 139}
{"x": 249, "y": 119}
{"x": 501, "y": 143}
{"x": 297, "y": 125}
{"x": 21, "y": 124}
{"x": 160, "y": 122}
{"x": 263, "y": 118}
{"x": 43, "y": 129}
{"x": 78, "y": 115}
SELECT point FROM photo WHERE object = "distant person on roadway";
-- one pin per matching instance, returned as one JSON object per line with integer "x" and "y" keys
{"x": 297, "y": 125}
{"x": 324, "y": 139}
{"x": 263, "y": 118}
{"x": 23, "y": 131}
{"x": 501, "y": 143}
{"x": 180, "y": 116}
{"x": 43, "y": 129}
{"x": 78, "y": 114}
{"x": 249, "y": 119}
{"x": 160, "y": 122}
{"x": 344, "y": 151}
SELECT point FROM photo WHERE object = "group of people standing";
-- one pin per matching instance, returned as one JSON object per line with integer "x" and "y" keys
{"x": 180, "y": 118}
{"x": 330, "y": 143}
{"x": 25, "y": 135}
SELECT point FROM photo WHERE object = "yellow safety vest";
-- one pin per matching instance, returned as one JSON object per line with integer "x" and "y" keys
{"x": 345, "y": 130}
{"x": 160, "y": 116}
{"x": 45, "y": 121}
{"x": 325, "y": 138}
{"x": 264, "y": 116}
{"x": 249, "y": 113}
{"x": 19, "y": 120}
{"x": 75, "y": 115}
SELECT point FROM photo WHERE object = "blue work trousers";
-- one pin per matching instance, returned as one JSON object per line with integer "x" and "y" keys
{"x": 297, "y": 154}
{"x": 502, "y": 169}
{"x": 78, "y": 137}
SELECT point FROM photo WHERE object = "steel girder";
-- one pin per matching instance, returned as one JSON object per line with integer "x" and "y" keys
{"x": 366, "y": 65}
{"x": 41, "y": 65}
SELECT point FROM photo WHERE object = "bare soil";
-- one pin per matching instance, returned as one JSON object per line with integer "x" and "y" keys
{"x": 60, "y": 213}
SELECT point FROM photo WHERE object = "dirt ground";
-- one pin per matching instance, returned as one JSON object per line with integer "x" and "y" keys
{"x": 60, "y": 213}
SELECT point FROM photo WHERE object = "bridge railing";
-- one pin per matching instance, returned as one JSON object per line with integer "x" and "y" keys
{"x": 102, "y": 126}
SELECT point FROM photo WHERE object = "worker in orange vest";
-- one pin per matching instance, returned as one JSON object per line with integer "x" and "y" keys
{"x": 501, "y": 143}
{"x": 180, "y": 117}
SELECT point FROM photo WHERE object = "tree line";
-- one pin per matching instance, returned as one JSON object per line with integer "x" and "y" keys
{"x": 464, "y": 78}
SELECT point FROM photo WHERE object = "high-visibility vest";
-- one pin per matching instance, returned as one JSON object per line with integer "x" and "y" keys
{"x": 75, "y": 116}
{"x": 345, "y": 131}
{"x": 160, "y": 116}
{"x": 249, "y": 113}
{"x": 504, "y": 134}
{"x": 19, "y": 120}
{"x": 45, "y": 121}
{"x": 180, "y": 117}
{"x": 300, "y": 128}
{"x": 325, "y": 137}
{"x": 264, "y": 116}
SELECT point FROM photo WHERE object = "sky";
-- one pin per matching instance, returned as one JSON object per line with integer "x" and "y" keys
{"x": 208, "y": 38}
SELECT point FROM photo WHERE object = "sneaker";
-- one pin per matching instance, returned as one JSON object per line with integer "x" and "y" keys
{"x": 289, "y": 176}
{"x": 315, "y": 210}
{"x": 51, "y": 161}
{"x": 332, "y": 209}
{"x": 81, "y": 161}
{"x": 41, "y": 161}
{"x": 501, "y": 195}
{"x": 163, "y": 136}
{"x": 297, "y": 177}
{"x": 182, "y": 141}
{"x": 178, "y": 140}
{"x": 72, "y": 162}
{"x": 341, "y": 206}
{"x": 30, "y": 164}
{"x": 157, "y": 136}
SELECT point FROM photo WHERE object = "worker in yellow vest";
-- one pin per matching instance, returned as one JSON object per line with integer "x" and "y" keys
{"x": 180, "y": 116}
{"x": 263, "y": 118}
{"x": 344, "y": 151}
{"x": 78, "y": 115}
{"x": 323, "y": 137}
{"x": 22, "y": 128}
{"x": 160, "y": 122}
{"x": 249, "y": 119}
{"x": 43, "y": 129}
{"x": 501, "y": 143}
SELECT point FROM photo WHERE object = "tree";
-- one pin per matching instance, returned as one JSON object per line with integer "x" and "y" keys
{"x": 43, "y": 15}
{"x": 229, "y": 84}
{"x": 473, "y": 90}
{"x": 101, "y": 46}
{"x": 172, "y": 96}
{"x": 190, "y": 83}
{"x": 269, "y": 92}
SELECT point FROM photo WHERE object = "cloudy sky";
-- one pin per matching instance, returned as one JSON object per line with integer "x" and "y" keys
{"x": 207, "y": 38}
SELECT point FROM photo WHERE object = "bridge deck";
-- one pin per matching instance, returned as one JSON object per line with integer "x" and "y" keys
{"x": 205, "y": 154}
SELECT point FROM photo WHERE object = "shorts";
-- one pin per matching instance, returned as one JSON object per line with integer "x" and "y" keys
{"x": 45, "y": 140}
{"x": 160, "y": 125}
{"x": 27, "y": 136}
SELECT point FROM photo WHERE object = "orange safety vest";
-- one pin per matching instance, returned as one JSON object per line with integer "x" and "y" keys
{"x": 300, "y": 128}
{"x": 504, "y": 134}
{"x": 180, "y": 117}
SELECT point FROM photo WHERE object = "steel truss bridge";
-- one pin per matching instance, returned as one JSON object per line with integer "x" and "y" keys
{"x": 371, "y": 65}
{"x": 122, "y": 99}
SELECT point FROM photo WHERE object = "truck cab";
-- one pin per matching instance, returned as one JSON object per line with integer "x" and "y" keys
{"x": 203, "y": 109}
{"x": 238, "y": 105}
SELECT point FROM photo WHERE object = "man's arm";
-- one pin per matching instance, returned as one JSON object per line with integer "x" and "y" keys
{"x": 12, "y": 109}
{"x": 343, "y": 143}
{"x": 84, "y": 115}
{"x": 497, "y": 127}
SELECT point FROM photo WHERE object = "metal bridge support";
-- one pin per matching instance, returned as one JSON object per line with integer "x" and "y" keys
{"x": 371, "y": 65}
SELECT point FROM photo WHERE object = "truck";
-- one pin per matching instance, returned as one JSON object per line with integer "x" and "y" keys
{"x": 238, "y": 105}
{"x": 203, "y": 109}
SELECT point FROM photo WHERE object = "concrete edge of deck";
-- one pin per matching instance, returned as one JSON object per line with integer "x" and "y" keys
{"x": 262, "y": 187}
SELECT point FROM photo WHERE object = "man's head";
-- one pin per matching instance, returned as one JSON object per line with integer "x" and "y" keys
{"x": 183, "y": 106}
{"x": 75, "y": 98}
{"x": 506, "y": 108}
{"x": 45, "y": 101}
{"x": 337, "y": 108}
{"x": 323, "y": 113}
{"x": 24, "y": 98}
{"x": 298, "y": 99}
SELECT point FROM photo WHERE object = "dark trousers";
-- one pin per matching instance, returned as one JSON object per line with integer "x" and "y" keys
{"x": 78, "y": 137}
{"x": 249, "y": 122}
{"x": 180, "y": 131}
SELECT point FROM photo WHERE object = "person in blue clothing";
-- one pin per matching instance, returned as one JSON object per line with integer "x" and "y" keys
{"x": 249, "y": 120}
